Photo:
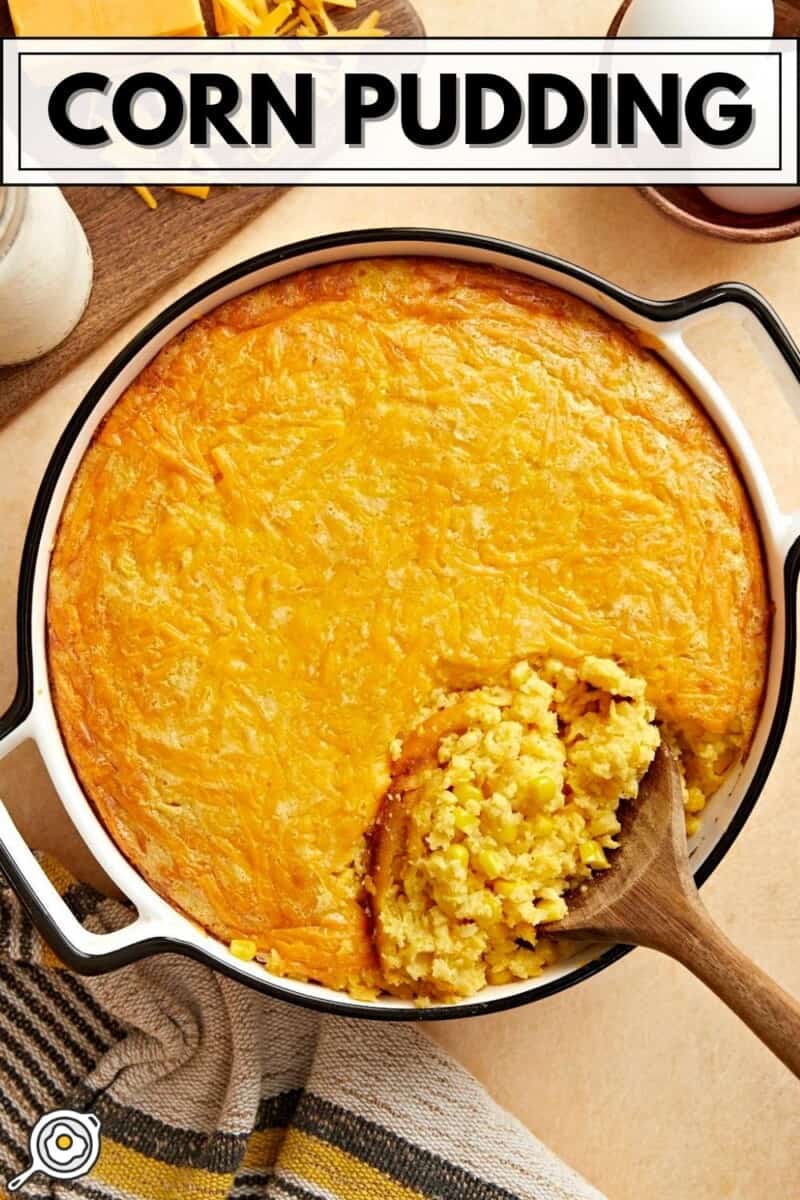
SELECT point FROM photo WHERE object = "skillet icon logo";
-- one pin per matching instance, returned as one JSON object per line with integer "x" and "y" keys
{"x": 63, "y": 1145}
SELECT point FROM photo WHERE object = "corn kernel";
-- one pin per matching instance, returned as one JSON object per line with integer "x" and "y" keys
{"x": 243, "y": 948}
{"x": 592, "y": 855}
{"x": 467, "y": 791}
{"x": 543, "y": 789}
{"x": 465, "y": 822}
{"x": 506, "y": 831}
{"x": 551, "y": 910}
{"x": 490, "y": 862}
{"x": 511, "y": 890}
{"x": 457, "y": 852}
{"x": 542, "y": 825}
{"x": 692, "y": 825}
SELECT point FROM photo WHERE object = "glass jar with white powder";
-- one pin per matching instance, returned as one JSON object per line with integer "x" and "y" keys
{"x": 45, "y": 271}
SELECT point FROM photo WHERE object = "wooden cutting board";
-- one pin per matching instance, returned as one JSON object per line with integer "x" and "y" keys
{"x": 138, "y": 253}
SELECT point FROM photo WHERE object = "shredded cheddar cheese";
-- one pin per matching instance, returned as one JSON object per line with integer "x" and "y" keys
{"x": 270, "y": 25}
{"x": 200, "y": 192}
{"x": 301, "y": 18}
{"x": 147, "y": 196}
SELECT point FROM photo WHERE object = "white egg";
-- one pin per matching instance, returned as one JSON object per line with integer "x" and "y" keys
{"x": 753, "y": 199}
{"x": 698, "y": 18}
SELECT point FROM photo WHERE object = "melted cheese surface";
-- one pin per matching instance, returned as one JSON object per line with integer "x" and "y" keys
{"x": 337, "y": 494}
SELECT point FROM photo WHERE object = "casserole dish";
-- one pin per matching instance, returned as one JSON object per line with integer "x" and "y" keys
{"x": 159, "y": 927}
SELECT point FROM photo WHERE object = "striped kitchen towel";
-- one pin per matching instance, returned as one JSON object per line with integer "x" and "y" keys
{"x": 204, "y": 1089}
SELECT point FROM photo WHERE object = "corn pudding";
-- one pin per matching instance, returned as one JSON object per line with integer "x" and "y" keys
{"x": 345, "y": 493}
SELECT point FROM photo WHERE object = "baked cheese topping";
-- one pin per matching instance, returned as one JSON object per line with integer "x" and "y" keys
{"x": 334, "y": 497}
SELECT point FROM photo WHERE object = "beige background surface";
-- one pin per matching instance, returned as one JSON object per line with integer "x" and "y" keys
{"x": 638, "y": 1078}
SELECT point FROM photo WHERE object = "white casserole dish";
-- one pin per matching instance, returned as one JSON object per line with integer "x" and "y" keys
{"x": 159, "y": 928}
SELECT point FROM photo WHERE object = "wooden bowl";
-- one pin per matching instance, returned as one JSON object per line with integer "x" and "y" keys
{"x": 688, "y": 205}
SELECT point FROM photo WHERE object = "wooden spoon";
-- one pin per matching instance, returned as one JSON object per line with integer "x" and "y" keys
{"x": 649, "y": 898}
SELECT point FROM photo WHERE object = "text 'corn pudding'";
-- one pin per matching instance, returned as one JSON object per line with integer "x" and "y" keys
{"x": 504, "y": 799}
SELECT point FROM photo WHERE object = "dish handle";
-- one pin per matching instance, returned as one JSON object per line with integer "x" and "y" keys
{"x": 80, "y": 949}
{"x": 771, "y": 337}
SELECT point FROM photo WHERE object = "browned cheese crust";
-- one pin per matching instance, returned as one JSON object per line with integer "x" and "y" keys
{"x": 331, "y": 497}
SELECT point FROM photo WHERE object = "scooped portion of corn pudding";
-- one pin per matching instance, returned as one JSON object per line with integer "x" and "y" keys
{"x": 339, "y": 495}
{"x": 503, "y": 799}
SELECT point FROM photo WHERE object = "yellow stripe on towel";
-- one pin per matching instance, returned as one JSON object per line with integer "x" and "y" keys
{"x": 263, "y": 1147}
{"x": 334, "y": 1171}
{"x": 146, "y": 1178}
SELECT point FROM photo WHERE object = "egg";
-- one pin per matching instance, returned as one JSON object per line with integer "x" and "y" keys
{"x": 65, "y": 1145}
{"x": 753, "y": 199}
{"x": 698, "y": 18}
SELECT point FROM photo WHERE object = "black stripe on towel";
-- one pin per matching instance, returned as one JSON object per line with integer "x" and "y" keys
{"x": 26, "y": 936}
{"x": 220, "y": 1153}
{"x": 15, "y": 981}
{"x": 401, "y": 1160}
{"x": 286, "y": 1187}
{"x": 276, "y": 1111}
{"x": 14, "y": 1114}
{"x": 82, "y": 900}
{"x": 21, "y": 1023}
{"x": 53, "y": 988}
{"x": 16, "y": 1148}
{"x": 25, "y": 1061}
{"x": 84, "y": 996}
{"x": 21, "y": 1084}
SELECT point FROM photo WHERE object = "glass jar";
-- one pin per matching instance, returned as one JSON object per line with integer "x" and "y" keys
{"x": 45, "y": 271}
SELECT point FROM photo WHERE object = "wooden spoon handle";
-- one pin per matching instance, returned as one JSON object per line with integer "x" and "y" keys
{"x": 772, "y": 1014}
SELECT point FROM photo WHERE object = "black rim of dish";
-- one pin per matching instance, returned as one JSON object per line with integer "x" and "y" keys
{"x": 655, "y": 310}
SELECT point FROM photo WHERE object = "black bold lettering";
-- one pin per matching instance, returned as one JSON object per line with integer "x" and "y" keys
{"x": 410, "y": 105}
{"x": 207, "y": 113}
{"x": 740, "y": 116}
{"x": 633, "y": 98}
{"x": 476, "y": 132}
{"x": 59, "y": 103}
{"x": 358, "y": 109}
{"x": 125, "y": 98}
{"x": 540, "y": 133}
{"x": 297, "y": 119}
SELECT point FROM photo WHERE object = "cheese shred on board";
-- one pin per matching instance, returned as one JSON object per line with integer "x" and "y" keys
{"x": 199, "y": 192}
{"x": 147, "y": 196}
